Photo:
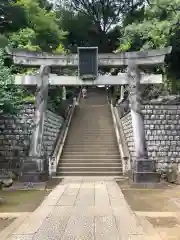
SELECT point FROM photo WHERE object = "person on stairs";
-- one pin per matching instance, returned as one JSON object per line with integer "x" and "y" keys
{"x": 84, "y": 92}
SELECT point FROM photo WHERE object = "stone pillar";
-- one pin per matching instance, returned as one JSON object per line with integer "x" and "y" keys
{"x": 143, "y": 169}
{"x": 35, "y": 167}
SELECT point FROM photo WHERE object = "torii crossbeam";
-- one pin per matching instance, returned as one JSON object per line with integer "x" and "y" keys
{"x": 149, "y": 57}
{"x": 54, "y": 79}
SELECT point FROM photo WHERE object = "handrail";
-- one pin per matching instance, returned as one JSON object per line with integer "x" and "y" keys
{"x": 122, "y": 145}
{"x": 54, "y": 159}
{"x": 62, "y": 129}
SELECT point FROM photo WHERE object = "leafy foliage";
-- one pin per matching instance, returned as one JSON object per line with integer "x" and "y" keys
{"x": 30, "y": 25}
{"x": 112, "y": 25}
{"x": 96, "y": 22}
{"x": 10, "y": 95}
{"x": 24, "y": 38}
{"x": 43, "y": 23}
{"x": 157, "y": 26}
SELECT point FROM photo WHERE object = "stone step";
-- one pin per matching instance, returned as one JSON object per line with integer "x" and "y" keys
{"x": 95, "y": 146}
{"x": 92, "y": 156}
{"x": 100, "y": 139}
{"x": 90, "y": 161}
{"x": 89, "y": 138}
{"x": 85, "y": 125}
{"x": 87, "y": 151}
{"x": 94, "y": 164}
{"x": 92, "y": 112}
{"x": 105, "y": 144}
{"x": 89, "y": 141}
{"x": 103, "y": 150}
{"x": 94, "y": 116}
{"x": 104, "y": 120}
{"x": 91, "y": 135}
{"x": 61, "y": 169}
{"x": 90, "y": 130}
{"x": 115, "y": 174}
{"x": 91, "y": 147}
{"x": 85, "y": 142}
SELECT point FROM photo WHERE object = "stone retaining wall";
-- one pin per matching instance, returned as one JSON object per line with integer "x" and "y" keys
{"x": 15, "y": 135}
{"x": 162, "y": 126}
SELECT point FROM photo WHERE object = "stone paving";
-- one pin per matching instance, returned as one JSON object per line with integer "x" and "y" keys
{"x": 84, "y": 209}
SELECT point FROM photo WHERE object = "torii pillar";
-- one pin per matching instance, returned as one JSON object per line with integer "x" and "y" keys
{"x": 35, "y": 167}
{"x": 143, "y": 169}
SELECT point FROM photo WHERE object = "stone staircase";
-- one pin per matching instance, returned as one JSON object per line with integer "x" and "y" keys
{"x": 91, "y": 146}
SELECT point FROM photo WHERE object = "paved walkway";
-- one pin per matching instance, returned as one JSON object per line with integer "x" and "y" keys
{"x": 84, "y": 209}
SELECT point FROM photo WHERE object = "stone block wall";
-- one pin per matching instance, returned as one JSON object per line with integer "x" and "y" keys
{"x": 128, "y": 132}
{"x": 15, "y": 135}
{"x": 162, "y": 126}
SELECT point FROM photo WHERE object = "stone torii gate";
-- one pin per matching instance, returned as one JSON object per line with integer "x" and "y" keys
{"x": 88, "y": 61}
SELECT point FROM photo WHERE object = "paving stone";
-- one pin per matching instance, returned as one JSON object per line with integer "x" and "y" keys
{"x": 67, "y": 200}
{"x": 73, "y": 179}
{"x": 54, "y": 225}
{"x": 126, "y": 220}
{"x": 139, "y": 237}
{"x": 74, "y": 185}
{"x": 88, "y": 210}
{"x": 92, "y": 211}
{"x": 101, "y": 194}
{"x": 114, "y": 190}
{"x": 176, "y": 201}
{"x": 34, "y": 221}
{"x": 87, "y": 185}
{"x": 21, "y": 237}
{"x": 119, "y": 202}
{"x": 128, "y": 225}
{"x": 79, "y": 227}
{"x": 71, "y": 191}
{"x": 54, "y": 196}
{"x": 105, "y": 228}
{"x": 87, "y": 200}
{"x": 86, "y": 196}
{"x": 86, "y": 192}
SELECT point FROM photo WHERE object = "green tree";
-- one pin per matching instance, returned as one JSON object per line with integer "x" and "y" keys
{"x": 12, "y": 17}
{"x": 25, "y": 38}
{"x": 94, "y": 23}
{"x": 158, "y": 27}
{"x": 44, "y": 24}
{"x": 10, "y": 95}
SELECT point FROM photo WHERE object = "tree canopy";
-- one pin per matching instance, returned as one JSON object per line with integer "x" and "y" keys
{"x": 156, "y": 26}
{"x": 112, "y": 25}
